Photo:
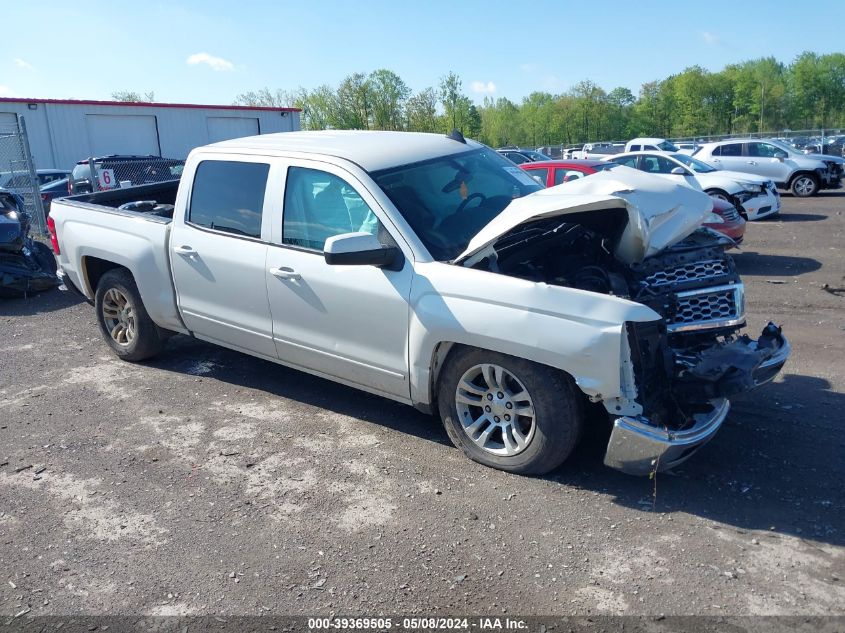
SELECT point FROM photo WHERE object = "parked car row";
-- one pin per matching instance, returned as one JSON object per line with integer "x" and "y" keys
{"x": 726, "y": 168}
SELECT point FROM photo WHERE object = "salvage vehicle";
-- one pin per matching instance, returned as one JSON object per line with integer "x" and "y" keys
{"x": 753, "y": 196}
{"x": 803, "y": 174}
{"x": 26, "y": 266}
{"x": 431, "y": 270}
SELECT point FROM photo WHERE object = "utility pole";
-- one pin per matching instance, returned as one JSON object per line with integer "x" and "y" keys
{"x": 761, "y": 108}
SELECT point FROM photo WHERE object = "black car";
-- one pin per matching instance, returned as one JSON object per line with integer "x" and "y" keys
{"x": 519, "y": 155}
{"x": 26, "y": 266}
{"x": 51, "y": 191}
{"x": 137, "y": 170}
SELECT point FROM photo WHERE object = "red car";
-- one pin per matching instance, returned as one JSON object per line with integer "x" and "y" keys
{"x": 555, "y": 172}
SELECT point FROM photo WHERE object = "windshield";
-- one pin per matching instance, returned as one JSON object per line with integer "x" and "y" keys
{"x": 535, "y": 155}
{"x": 448, "y": 200}
{"x": 696, "y": 165}
{"x": 666, "y": 146}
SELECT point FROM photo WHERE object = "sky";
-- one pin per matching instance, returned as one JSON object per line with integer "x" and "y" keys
{"x": 209, "y": 52}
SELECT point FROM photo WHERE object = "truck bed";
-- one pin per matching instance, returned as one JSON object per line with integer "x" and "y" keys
{"x": 162, "y": 194}
{"x": 96, "y": 234}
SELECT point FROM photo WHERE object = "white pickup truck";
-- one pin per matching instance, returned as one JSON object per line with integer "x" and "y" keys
{"x": 430, "y": 270}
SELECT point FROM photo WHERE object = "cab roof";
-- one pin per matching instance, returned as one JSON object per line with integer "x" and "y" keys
{"x": 371, "y": 150}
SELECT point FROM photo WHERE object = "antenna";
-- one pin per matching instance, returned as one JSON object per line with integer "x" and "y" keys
{"x": 456, "y": 136}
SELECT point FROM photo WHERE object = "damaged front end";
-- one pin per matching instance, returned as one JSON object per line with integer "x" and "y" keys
{"x": 687, "y": 366}
{"x": 677, "y": 373}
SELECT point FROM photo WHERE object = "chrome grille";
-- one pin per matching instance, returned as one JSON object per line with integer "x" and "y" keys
{"x": 709, "y": 307}
{"x": 688, "y": 272}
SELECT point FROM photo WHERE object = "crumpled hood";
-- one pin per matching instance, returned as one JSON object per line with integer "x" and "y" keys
{"x": 660, "y": 212}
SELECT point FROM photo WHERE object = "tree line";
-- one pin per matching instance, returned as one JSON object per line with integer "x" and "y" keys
{"x": 752, "y": 96}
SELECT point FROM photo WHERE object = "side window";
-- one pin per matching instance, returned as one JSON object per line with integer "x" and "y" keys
{"x": 540, "y": 174}
{"x": 628, "y": 161}
{"x": 657, "y": 165}
{"x": 761, "y": 149}
{"x": 229, "y": 196}
{"x": 635, "y": 148}
{"x": 731, "y": 149}
{"x": 319, "y": 205}
{"x": 567, "y": 175}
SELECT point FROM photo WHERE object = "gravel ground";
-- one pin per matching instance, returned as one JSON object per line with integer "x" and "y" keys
{"x": 209, "y": 482}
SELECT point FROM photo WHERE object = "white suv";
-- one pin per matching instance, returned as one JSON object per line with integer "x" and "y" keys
{"x": 803, "y": 174}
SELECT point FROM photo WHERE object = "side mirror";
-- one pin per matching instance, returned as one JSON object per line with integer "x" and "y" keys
{"x": 781, "y": 156}
{"x": 678, "y": 171}
{"x": 361, "y": 249}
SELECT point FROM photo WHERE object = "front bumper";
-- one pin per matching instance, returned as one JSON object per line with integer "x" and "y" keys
{"x": 638, "y": 447}
{"x": 762, "y": 206}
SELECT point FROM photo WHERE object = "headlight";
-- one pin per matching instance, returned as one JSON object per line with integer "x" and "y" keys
{"x": 747, "y": 186}
{"x": 713, "y": 218}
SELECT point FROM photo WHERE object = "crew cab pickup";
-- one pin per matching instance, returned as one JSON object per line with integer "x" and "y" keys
{"x": 430, "y": 270}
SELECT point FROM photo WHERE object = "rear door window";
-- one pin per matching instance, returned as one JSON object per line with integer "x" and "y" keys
{"x": 731, "y": 149}
{"x": 628, "y": 161}
{"x": 228, "y": 196}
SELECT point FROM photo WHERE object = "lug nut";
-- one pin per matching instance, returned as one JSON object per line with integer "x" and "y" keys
{"x": 508, "y": 405}
{"x": 489, "y": 396}
{"x": 500, "y": 395}
{"x": 487, "y": 408}
{"x": 495, "y": 418}
{"x": 507, "y": 418}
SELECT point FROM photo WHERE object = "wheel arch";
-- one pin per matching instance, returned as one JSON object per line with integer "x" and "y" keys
{"x": 444, "y": 351}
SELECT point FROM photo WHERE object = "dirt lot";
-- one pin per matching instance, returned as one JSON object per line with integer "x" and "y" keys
{"x": 211, "y": 482}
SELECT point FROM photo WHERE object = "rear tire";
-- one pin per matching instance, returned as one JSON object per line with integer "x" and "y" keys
{"x": 123, "y": 319}
{"x": 804, "y": 185}
{"x": 509, "y": 413}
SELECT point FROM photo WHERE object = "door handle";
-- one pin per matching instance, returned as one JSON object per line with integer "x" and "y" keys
{"x": 285, "y": 273}
{"x": 751, "y": 162}
{"x": 184, "y": 250}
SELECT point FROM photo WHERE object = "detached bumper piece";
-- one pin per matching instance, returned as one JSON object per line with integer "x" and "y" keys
{"x": 637, "y": 447}
{"x": 736, "y": 367}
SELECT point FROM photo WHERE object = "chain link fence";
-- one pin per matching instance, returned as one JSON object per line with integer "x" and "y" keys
{"x": 112, "y": 172}
{"x": 17, "y": 171}
{"x": 817, "y": 141}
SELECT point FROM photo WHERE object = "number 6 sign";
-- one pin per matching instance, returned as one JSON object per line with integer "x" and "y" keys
{"x": 105, "y": 177}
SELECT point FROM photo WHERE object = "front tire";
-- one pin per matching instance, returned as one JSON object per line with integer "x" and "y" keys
{"x": 123, "y": 319}
{"x": 804, "y": 185}
{"x": 509, "y": 413}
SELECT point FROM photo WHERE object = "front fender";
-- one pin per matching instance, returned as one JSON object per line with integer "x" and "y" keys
{"x": 573, "y": 330}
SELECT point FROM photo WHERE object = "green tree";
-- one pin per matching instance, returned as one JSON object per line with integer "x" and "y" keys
{"x": 421, "y": 111}
{"x": 388, "y": 94}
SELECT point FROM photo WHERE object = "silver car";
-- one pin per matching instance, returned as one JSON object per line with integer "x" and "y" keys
{"x": 803, "y": 174}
